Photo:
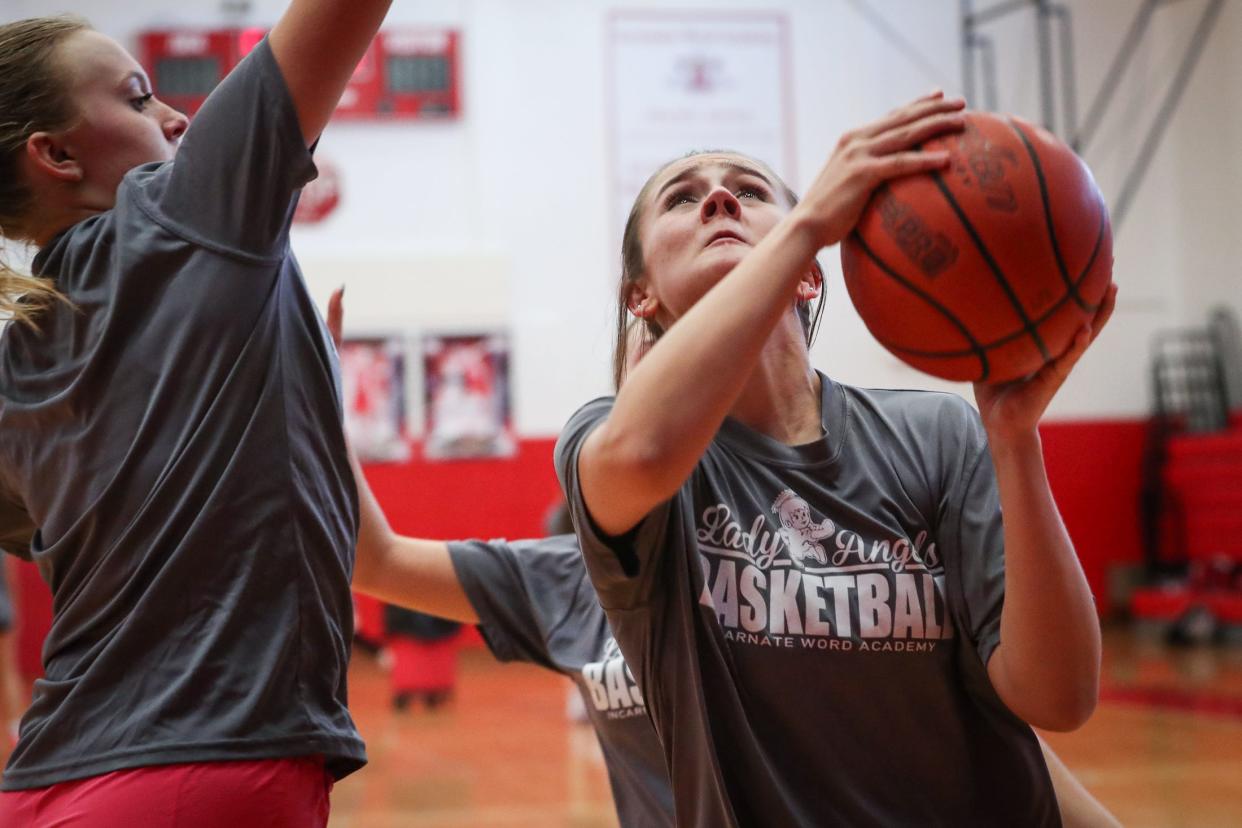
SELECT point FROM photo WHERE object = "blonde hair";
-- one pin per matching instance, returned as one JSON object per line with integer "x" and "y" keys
{"x": 22, "y": 297}
{"x": 32, "y": 99}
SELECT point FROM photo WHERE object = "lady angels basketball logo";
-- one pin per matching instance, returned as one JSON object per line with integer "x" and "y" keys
{"x": 611, "y": 685}
{"x": 809, "y": 583}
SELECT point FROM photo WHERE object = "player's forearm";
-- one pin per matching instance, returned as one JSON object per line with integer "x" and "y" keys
{"x": 414, "y": 573}
{"x": 1047, "y": 665}
{"x": 318, "y": 45}
{"x": 418, "y": 574}
{"x": 375, "y": 536}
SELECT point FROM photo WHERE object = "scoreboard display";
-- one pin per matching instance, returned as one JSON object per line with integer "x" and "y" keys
{"x": 185, "y": 65}
{"x": 419, "y": 74}
{"x": 406, "y": 74}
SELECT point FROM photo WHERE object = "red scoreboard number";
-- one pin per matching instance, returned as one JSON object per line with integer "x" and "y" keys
{"x": 406, "y": 74}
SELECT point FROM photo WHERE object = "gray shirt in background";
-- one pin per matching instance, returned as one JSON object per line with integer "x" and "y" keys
{"x": 175, "y": 435}
{"x": 810, "y": 624}
{"x": 536, "y": 605}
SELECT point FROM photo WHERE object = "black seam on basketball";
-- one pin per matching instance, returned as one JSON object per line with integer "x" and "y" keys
{"x": 1095, "y": 252}
{"x": 1040, "y": 320}
{"x": 976, "y": 349}
{"x": 1052, "y": 233}
{"x": 1028, "y": 327}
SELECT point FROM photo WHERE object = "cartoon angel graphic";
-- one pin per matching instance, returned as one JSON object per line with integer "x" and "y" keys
{"x": 800, "y": 533}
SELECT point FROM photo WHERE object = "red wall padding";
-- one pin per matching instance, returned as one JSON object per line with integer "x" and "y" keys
{"x": 32, "y": 614}
{"x": 1093, "y": 467}
{"x": 501, "y": 498}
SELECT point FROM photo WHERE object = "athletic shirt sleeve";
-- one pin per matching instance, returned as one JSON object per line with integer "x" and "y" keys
{"x": 240, "y": 165}
{"x": 528, "y": 594}
{"x": 622, "y": 568}
{"x": 974, "y": 540}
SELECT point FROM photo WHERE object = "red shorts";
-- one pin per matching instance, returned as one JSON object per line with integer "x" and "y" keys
{"x": 264, "y": 793}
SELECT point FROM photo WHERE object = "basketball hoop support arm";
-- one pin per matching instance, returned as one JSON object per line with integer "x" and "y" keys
{"x": 979, "y": 49}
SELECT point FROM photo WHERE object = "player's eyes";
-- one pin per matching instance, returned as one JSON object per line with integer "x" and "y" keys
{"x": 676, "y": 198}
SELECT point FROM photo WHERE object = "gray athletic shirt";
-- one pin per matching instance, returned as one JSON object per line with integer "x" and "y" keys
{"x": 176, "y": 437}
{"x": 810, "y": 624}
{"x": 535, "y": 604}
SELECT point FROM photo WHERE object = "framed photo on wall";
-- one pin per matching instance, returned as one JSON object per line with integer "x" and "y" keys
{"x": 466, "y": 396}
{"x": 373, "y": 380}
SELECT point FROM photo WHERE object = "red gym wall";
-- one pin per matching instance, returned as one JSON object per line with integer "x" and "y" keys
{"x": 504, "y": 498}
{"x": 1093, "y": 465}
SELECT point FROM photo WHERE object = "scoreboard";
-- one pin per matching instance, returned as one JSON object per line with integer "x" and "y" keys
{"x": 185, "y": 65}
{"x": 406, "y": 74}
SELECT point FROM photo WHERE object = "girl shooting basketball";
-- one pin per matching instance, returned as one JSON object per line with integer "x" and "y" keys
{"x": 894, "y": 681}
{"x": 171, "y": 452}
{"x": 532, "y": 602}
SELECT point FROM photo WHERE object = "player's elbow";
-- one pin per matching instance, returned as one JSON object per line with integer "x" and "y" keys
{"x": 1049, "y": 695}
{"x": 1065, "y": 710}
{"x": 1063, "y": 719}
{"x": 623, "y": 476}
{"x": 636, "y": 460}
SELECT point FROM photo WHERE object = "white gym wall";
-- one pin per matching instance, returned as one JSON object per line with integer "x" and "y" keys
{"x": 505, "y": 217}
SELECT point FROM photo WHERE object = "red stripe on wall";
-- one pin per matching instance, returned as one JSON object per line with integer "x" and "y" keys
{"x": 495, "y": 498}
{"x": 1093, "y": 467}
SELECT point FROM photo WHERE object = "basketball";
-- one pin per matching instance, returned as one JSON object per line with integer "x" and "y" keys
{"x": 986, "y": 270}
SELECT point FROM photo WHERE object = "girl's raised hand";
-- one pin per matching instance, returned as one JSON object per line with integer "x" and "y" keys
{"x": 866, "y": 157}
{"x": 336, "y": 315}
{"x": 1013, "y": 409}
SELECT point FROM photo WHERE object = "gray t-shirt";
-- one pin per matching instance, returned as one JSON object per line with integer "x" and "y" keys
{"x": 176, "y": 437}
{"x": 810, "y": 624}
{"x": 535, "y": 604}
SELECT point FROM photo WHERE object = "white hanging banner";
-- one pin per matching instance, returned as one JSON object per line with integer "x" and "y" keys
{"x": 683, "y": 82}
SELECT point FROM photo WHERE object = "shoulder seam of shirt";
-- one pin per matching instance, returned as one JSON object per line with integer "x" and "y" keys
{"x": 187, "y": 235}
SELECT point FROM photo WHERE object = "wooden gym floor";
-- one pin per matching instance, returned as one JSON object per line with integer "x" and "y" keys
{"x": 1164, "y": 748}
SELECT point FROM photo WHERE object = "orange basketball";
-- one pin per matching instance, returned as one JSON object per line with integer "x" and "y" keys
{"x": 986, "y": 270}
